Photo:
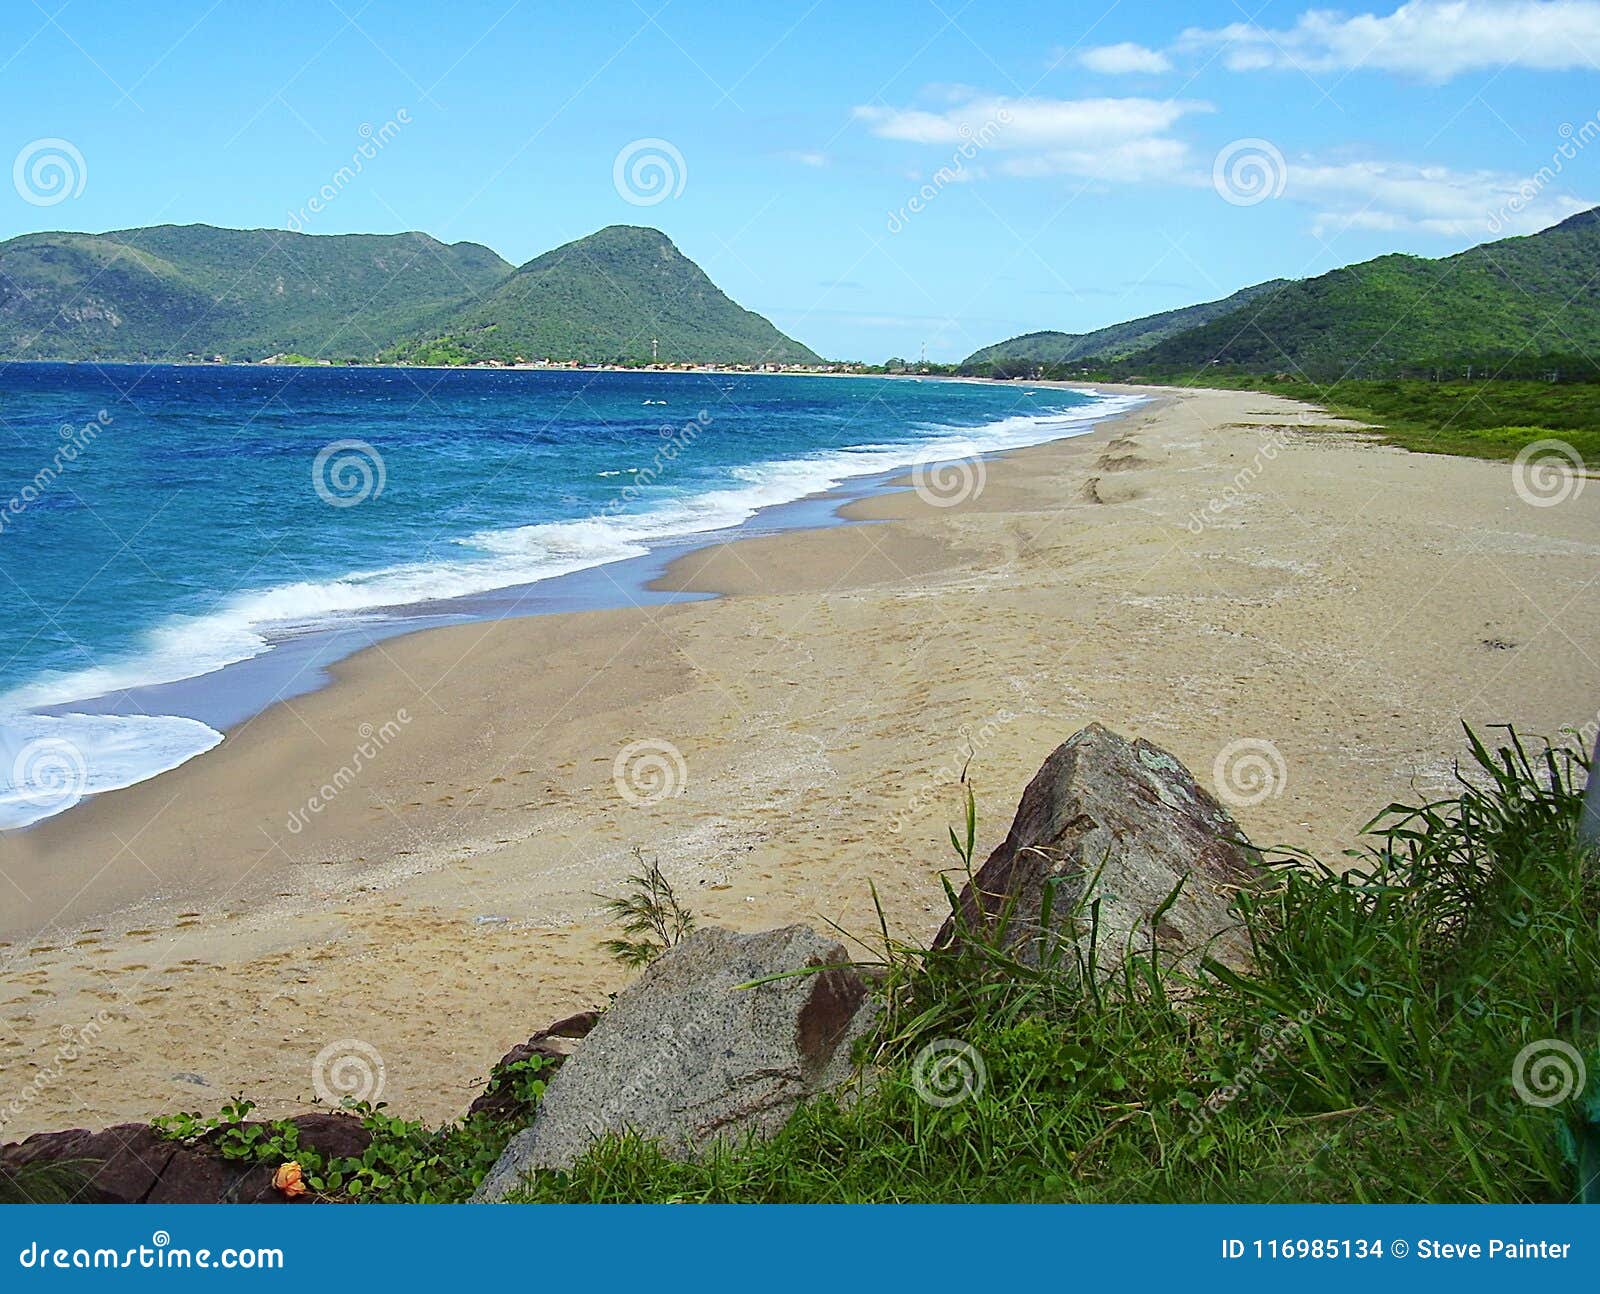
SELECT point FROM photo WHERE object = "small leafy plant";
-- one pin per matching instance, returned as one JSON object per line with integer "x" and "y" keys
{"x": 649, "y": 913}
{"x": 405, "y": 1162}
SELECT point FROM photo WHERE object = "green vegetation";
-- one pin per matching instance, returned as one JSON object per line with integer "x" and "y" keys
{"x": 651, "y": 917}
{"x": 406, "y": 1163}
{"x": 194, "y": 292}
{"x": 624, "y": 295}
{"x": 1020, "y": 356}
{"x": 177, "y": 292}
{"x": 1411, "y": 1032}
{"x": 1372, "y": 1055}
{"x": 1518, "y": 307}
{"x": 1493, "y": 420}
{"x": 42, "y": 1184}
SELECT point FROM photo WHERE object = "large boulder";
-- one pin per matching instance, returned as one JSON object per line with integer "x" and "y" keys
{"x": 1124, "y": 823}
{"x": 131, "y": 1163}
{"x": 693, "y": 1053}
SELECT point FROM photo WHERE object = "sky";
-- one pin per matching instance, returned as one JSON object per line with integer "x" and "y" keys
{"x": 903, "y": 177}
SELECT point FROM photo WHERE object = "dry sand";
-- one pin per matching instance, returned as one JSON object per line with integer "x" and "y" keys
{"x": 1351, "y": 606}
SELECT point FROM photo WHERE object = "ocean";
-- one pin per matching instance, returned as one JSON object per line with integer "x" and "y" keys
{"x": 161, "y": 524}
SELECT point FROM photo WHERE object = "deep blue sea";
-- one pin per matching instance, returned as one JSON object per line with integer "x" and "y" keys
{"x": 159, "y": 523}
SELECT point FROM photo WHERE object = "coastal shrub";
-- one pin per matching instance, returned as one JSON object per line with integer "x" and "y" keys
{"x": 1384, "y": 1047}
{"x": 649, "y": 913}
{"x": 1483, "y": 419}
{"x": 1422, "y": 1025}
{"x": 405, "y": 1162}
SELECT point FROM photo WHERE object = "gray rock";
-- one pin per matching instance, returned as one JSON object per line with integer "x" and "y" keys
{"x": 687, "y": 1055}
{"x": 1131, "y": 812}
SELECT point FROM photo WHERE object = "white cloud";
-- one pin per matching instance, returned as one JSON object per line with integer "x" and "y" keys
{"x": 1125, "y": 59}
{"x": 1123, "y": 139}
{"x": 1433, "y": 40}
{"x": 1133, "y": 160}
{"x": 1430, "y": 199}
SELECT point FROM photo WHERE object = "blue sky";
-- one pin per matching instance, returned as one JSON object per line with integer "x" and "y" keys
{"x": 874, "y": 178}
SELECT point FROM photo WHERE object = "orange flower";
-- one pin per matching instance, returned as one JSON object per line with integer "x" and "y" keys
{"x": 287, "y": 1180}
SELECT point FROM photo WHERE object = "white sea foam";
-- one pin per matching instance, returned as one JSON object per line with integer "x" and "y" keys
{"x": 50, "y": 762}
{"x": 494, "y": 559}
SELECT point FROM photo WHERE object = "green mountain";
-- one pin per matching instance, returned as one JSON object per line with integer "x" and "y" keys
{"x": 607, "y": 298}
{"x": 1506, "y": 303}
{"x": 180, "y": 291}
{"x": 1037, "y": 348}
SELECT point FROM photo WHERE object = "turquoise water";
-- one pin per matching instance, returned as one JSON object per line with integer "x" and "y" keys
{"x": 159, "y": 523}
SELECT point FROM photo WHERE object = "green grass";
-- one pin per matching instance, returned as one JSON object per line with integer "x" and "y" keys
{"x": 1369, "y": 1056}
{"x": 1493, "y": 420}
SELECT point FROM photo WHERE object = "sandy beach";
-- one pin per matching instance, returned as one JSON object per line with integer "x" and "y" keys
{"x": 1226, "y": 574}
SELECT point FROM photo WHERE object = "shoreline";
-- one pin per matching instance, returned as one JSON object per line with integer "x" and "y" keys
{"x": 297, "y": 663}
{"x": 822, "y": 708}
